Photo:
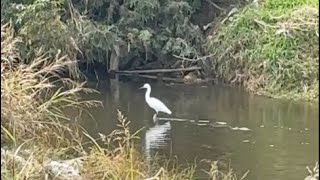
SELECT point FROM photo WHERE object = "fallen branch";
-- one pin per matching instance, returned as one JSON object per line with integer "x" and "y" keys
{"x": 158, "y": 70}
{"x": 193, "y": 60}
{"x": 177, "y": 80}
{"x": 216, "y": 6}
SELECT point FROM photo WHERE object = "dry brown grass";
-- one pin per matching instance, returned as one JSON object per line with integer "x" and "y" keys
{"x": 30, "y": 99}
{"x": 313, "y": 173}
{"x": 32, "y": 107}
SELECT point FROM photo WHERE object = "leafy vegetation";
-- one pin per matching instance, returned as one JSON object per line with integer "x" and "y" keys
{"x": 271, "y": 48}
{"x": 91, "y": 31}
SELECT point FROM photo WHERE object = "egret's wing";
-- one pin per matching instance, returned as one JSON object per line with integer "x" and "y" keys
{"x": 158, "y": 105}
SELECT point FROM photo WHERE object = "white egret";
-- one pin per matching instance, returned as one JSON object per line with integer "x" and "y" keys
{"x": 154, "y": 103}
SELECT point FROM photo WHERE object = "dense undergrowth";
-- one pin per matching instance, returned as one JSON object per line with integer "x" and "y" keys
{"x": 138, "y": 31}
{"x": 35, "y": 131}
{"x": 271, "y": 47}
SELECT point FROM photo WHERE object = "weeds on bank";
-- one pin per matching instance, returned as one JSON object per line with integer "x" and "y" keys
{"x": 32, "y": 107}
{"x": 31, "y": 102}
{"x": 119, "y": 159}
{"x": 215, "y": 173}
{"x": 114, "y": 158}
{"x": 313, "y": 173}
{"x": 271, "y": 48}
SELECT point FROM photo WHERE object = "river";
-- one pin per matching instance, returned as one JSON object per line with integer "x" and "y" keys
{"x": 273, "y": 139}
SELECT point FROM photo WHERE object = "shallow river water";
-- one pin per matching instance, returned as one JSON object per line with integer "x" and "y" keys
{"x": 273, "y": 139}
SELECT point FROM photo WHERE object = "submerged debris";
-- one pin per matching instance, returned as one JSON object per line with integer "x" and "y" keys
{"x": 240, "y": 128}
{"x": 202, "y": 124}
{"x": 221, "y": 123}
{"x": 313, "y": 173}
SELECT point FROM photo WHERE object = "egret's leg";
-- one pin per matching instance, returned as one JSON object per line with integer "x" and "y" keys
{"x": 155, "y": 118}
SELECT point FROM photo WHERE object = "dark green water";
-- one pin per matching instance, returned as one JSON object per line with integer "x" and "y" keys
{"x": 283, "y": 139}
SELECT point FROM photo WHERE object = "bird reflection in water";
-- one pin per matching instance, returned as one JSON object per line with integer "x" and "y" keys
{"x": 156, "y": 137}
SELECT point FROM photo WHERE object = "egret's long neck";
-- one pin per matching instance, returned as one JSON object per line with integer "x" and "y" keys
{"x": 147, "y": 95}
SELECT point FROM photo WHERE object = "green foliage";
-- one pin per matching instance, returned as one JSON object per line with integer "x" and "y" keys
{"x": 287, "y": 4}
{"x": 273, "y": 47}
{"x": 88, "y": 30}
{"x": 31, "y": 103}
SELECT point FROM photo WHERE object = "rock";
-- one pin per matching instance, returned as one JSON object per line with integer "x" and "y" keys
{"x": 67, "y": 169}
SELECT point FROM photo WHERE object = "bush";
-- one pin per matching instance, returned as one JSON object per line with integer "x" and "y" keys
{"x": 271, "y": 49}
{"x": 90, "y": 31}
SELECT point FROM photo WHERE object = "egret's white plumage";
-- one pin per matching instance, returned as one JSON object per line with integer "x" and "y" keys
{"x": 154, "y": 103}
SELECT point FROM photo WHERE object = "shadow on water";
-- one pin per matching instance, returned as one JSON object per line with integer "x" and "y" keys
{"x": 274, "y": 139}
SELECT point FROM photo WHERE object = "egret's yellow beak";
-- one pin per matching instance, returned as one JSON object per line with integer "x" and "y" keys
{"x": 141, "y": 87}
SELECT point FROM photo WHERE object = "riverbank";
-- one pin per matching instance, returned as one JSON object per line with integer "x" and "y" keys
{"x": 39, "y": 141}
{"x": 271, "y": 48}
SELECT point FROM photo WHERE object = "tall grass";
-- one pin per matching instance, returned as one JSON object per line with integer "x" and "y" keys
{"x": 271, "y": 48}
{"x": 32, "y": 107}
{"x": 313, "y": 173}
{"x": 31, "y": 102}
{"x": 117, "y": 158}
